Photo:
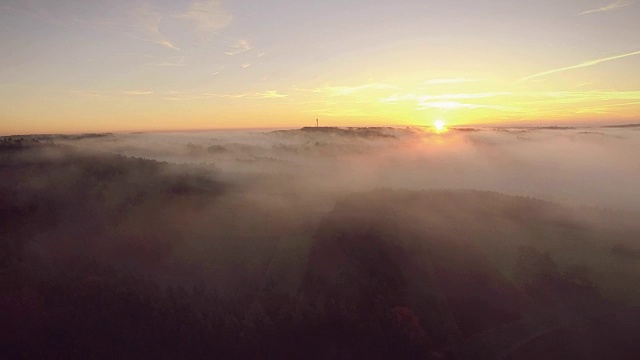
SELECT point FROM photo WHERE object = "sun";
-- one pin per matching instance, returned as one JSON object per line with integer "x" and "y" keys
{"x": 439, "y": 124}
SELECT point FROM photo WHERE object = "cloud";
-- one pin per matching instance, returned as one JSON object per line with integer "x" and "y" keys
{"x": 452, "y": 105}
{"x": 603, "y": 109}
{"x": 442, "y": 97}
{"x": 270, "y": 94}
{"x": 168, "y": 44}
{"x": 239, "y": 47}
{"x": 447, "y": 81}
{"x": 137, "y": 92}
{"x": 596, "y": 95}
{"x": 350, "y": 90}
{"x": 581, "y": 65}
{"x": 447, "y": 101}
{"x": 160, "y": 41}
{"x": 209, "y": 16}
{"x": 141, "y": 21}
{"x": 179, "y": 63}
{"x": 193, "y": 95}
{"x": 146, "y": 22}
{"x": 616, "y": 5}
{"x": 341, "y": 112}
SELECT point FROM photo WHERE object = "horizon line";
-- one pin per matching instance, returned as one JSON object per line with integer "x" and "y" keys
{"x": 525, "y": 124}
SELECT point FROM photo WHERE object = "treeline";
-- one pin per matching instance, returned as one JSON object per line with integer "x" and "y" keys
{"x": 68, "y": 220}
{"x": 74, "y": 202}
{"x": 87, "y": 310}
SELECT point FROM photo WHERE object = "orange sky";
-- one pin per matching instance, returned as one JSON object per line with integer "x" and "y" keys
{"x": 95, "y": 66}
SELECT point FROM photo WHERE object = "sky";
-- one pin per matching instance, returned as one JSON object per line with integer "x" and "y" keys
{"x": 70, "y": 66}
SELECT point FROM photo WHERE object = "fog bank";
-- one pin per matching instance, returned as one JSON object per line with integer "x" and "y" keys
{"x": 577, "y": 166}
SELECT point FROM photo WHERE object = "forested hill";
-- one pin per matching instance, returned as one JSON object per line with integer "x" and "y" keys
{"x": 106, "y": 256}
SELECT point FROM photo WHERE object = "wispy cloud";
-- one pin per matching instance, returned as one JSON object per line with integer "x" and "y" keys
{"x": 180, "y": 63}
{"x": 350, "y": 90}
{"x": 442, "y": 97}
{"x": 142, "y": 21}
{"x": 239, "y": 47}
{"x": 581, "y": 65}
{"x": 166, "y": 43}
{"x": 447, "y": 81}
{"x": 605, "y": 109}
{"x": 453, "y": 105}
{"x": 146, "y": 26}
{"x": 446, "y": 101}
{"x": 341, "y": 112}
{"x": 571, "y": 97}
{"x": 168, "y": 63}
{"x": 137, "y": 92}
{"x": 157, "y": 40}
{"x": 209, "y": 16}
{"x": 616, "y": 5}
{"x": 271, "y": 94}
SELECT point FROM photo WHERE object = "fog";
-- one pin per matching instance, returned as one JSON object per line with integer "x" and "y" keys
{"x": 577, "y": 166}
{"x": 470, "y": 243}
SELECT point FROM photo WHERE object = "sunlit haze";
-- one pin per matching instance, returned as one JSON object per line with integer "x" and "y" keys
{"x": 72, "y": 66}
{"x": 252, "y": 179}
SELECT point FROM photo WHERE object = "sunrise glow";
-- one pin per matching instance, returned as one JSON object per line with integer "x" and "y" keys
{"x": 73, "y": 66}
{"x": 361, "y": 179}
{"x": 439, "y": 125}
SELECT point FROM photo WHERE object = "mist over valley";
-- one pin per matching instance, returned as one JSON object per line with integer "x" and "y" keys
{"x": 474, "y": 243}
